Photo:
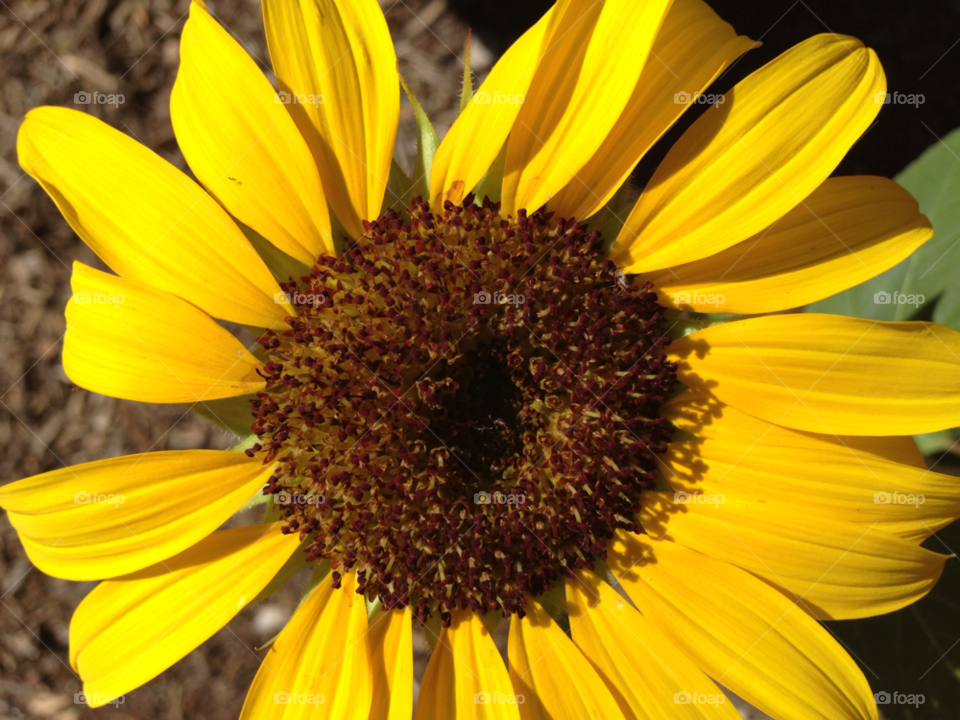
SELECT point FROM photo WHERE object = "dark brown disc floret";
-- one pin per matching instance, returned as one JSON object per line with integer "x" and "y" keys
{"x": 465, "y": 408}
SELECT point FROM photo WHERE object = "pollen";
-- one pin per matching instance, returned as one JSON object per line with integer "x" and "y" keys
{"x": 465, "y": 408}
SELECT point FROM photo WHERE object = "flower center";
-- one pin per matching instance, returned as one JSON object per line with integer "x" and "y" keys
{"x": 465, "y": 408}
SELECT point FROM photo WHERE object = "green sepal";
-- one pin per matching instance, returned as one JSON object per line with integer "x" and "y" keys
{"x": 684, "y": 322}
{"x": 683, "y": 436}
{"x": 373, "y": 607}
{"x": 320, "y": 571}
{"x": 340, "y": 235}
{"x": 606, "y": 574}
{"x": 467, "y": 95}
{"x": 491, "y": 621}
{"x": 427, "y": 144}
{"x": 399, "y": 187}
{"x": 937, "y": 442}
{"x": 281, "y": 265}
{"x": 431, "y": 631}
{"x": 258, "y": 499}
{"x": 245, "y": 444}
{"x": 296, "y": 563}
{"x": 491, "y": 184}
{"x": 554, "y": 601}
{"x": 272, "y": 512}
{"x": 233, "y": 414}
{"x": 661, "y": 484}
{"x": 609, "y": 219}
{"x": 318, "y": 574}
{"x": 269, "y": 642}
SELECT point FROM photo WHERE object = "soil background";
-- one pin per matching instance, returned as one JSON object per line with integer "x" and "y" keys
{"x": 50, "y": 50}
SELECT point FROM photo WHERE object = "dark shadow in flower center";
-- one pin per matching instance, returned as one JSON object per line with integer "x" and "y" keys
{"x": 480, "y": 421}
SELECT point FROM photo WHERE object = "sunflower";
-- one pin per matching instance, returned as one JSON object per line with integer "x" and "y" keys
{"x": 465, "y": 406}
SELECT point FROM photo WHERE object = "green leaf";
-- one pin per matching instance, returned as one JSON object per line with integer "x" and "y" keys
{"x": 427, "y": 144}
{"x": 934, "y": 180}
{"x": 914, "y": 651}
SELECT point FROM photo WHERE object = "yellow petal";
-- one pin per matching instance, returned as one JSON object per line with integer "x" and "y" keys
{"x": 881, "y": 482}
{"x": 597, "y": 51}
{"x": 466, "y": 678}
{"x": 647, "y": 674}
{"x": 830, "y": 374}
{"x": 391, "y": 650}
{"x": 835, "y": 570}
{"x": 692, "y": 48}
{"x": 741, "y": 632}
{"x": 129, "y": 341}
{"x": 117, "y": 516}
{"x": 478, "y": 134}
{"x": 554, "y": 677}
{"x": 146, "y": 219}
{"x": 848, "y": 230}
{"x": 130, "y": 629}
{"x": 242, "y": 144}
{"x": 319, "y": 667}
{"x": 746, "y": 163}
{"x": 336, "y": 61}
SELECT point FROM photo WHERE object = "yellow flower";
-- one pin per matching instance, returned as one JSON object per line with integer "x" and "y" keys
{"x": 465, "y": 410}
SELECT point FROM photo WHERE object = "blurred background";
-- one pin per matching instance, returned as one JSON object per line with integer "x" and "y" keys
{"x": 52, "y": 49}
